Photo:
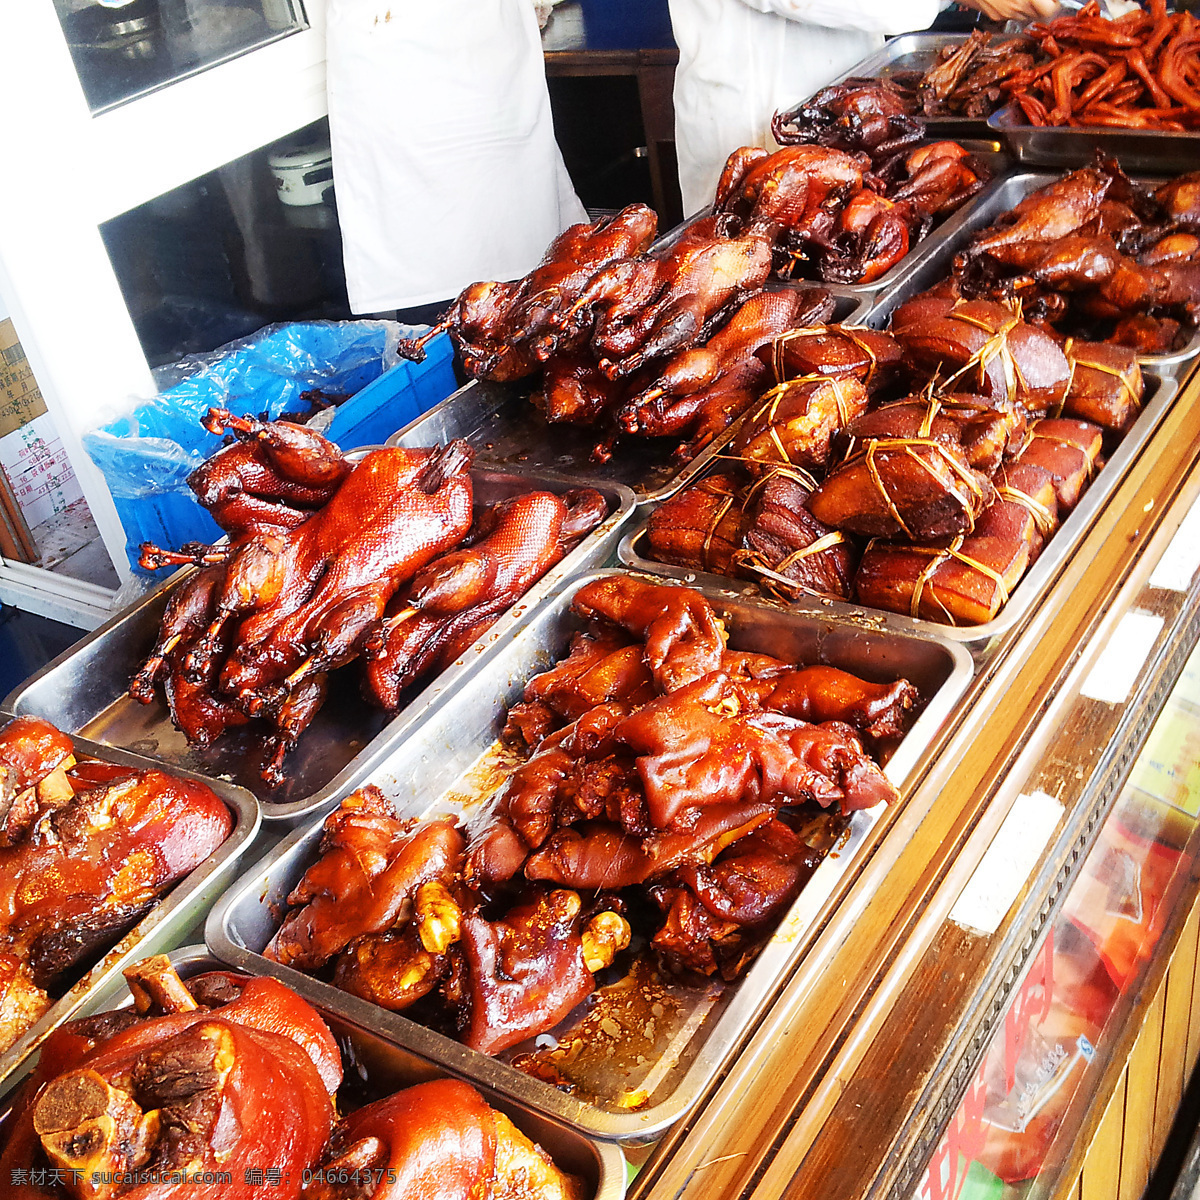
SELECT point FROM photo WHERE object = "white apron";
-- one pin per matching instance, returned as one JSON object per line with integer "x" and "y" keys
{"x": 740, "y": 60}
{"x": 445, "y": 166}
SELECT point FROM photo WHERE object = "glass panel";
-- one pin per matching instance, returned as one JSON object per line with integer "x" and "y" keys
{"x": 1011, "y": 1133}
{"x": 125, "y": 48}
{"x": 252, "y": 242}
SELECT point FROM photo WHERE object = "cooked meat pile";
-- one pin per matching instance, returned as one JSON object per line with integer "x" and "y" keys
{"x": 920, "y": 470}
{"x": 86, "y": 848}
{"x": 1095, "y": 255}
{"x": 674, "y": 788}
{"x": 327, "y": 561}
{"x": 661, "y": 341}
{"x": 239, "y": 1078}
{"x": 1137, "y": 71}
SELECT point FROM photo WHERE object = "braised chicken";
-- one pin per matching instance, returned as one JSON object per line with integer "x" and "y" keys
{"x": 115, "y": 843}
{"x": 225, "y": 1074}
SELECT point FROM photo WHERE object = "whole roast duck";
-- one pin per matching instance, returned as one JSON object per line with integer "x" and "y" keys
{"x": 328, "y": 560}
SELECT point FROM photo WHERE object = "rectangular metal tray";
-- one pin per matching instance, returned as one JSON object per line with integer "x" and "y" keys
{"x": 84, "y": 690}
{"x": 389, "y": 1068}
{"x": 933, "y": 262}
{"x": 426, "y": 776}
{"x": 1160, "y": 393}
{"x": 507, "y": 431}
{"x": 1153, "y": 151}
{"x": 916, "y": 52}
{"x": 163, "y": 926}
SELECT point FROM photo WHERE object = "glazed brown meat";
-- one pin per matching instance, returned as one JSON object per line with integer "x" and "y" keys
{"x": 367, "y": 877}
{"x": 114, "y": 838}
{"x": 436, "y": 1139}
{"x": 682, "y": 634}
{"x": 227, "y": 1085}
{"x": 463, "y": 590}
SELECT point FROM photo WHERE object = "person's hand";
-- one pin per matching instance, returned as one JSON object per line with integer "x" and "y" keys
{"x": 1014, "y": 10}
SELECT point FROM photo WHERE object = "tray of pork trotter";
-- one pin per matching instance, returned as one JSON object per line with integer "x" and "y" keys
{"x": 945, "y": 468}
{"x": 627, "y": 359}
{"x": 584, "y": 878}
{"x": 104, "y": 857}
{"x": 950, "y": 82}
{"x": 211, "y": 1083}
{"x": 353, "y": 591}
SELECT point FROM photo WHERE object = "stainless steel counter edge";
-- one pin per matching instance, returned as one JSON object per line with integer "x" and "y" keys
{"x": 170, "y": 917}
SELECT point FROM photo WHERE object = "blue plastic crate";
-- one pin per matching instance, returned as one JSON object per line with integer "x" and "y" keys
{"x": 398, "y": 396}
{"x": 147, "y": 456}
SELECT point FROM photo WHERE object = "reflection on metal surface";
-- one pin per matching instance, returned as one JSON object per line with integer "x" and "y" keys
{"x": 125, "y": 48}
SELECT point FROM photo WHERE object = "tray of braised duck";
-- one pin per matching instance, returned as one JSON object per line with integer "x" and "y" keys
{"x": 352, "y": 591}
{"x": 135, "y": 855}
{"x": 215, "y": 1083}
{"x": 587, "y": 874}
{"x": 945, "y": 83}
{"x": 624, "y": 358}
{"x": 946, "y": 467}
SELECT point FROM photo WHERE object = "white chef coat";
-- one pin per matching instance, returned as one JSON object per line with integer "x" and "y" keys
{"x": 740, "y": 60}
{"x": 445, "y": 166}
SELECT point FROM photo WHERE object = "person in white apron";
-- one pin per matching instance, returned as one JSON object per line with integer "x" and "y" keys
{"x": 740, "y": 60}
{"x": 445, "y": 166}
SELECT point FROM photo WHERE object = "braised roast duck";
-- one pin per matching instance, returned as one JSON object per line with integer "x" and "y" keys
{"x": 1097, "y": 256}
{"x": 224, "y": 1086}
{"x": 114, "y": 838}
{"x": 329, "y": 560}
{"x": 659, "y": 341}
{"x": 672, "y": 790}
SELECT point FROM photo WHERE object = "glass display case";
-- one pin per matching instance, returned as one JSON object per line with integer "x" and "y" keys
{"x": 125, "y": 48}
{"x": 157, "y": 135}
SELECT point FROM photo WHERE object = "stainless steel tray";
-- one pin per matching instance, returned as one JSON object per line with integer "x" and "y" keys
{"x": 933, "y": 263}
{"x": 84, "y": 689}
{"x": 1152, "y": 151}
{"x": 163, "y": 926}
{"x": 389, "y": 1068}
{"x": 426, "y": 776}
{"x": 915, "y": 52}
{"x": 1160, "y": 393}
{"x": 506, "y": 430}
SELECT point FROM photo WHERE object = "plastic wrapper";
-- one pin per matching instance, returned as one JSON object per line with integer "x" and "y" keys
{"x": 155, "y": 447}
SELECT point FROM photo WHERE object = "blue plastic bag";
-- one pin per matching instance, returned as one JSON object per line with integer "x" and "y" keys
{"x": 147, "y": 456}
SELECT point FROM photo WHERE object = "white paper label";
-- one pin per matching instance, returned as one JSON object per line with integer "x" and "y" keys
{"x": 1179, "y": 562}
{"x": 1116, "y": 670}
{"x": 1007, "y": 863}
